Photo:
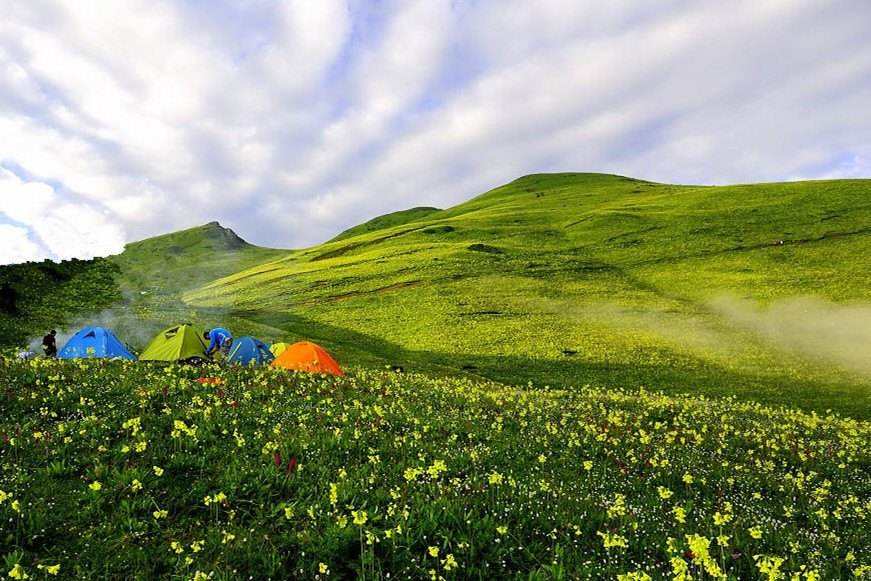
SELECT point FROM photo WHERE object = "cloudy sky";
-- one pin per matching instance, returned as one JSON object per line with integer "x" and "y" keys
{"x": 291, "y": 120}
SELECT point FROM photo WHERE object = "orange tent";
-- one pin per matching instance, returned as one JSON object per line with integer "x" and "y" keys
{"x": 306, "y": 356}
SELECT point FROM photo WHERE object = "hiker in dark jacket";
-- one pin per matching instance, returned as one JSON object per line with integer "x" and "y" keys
{"x": 49, "y": 344}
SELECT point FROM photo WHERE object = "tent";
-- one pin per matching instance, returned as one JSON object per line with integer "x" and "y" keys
{"x": 97, "y": 343}
{"x": 180, "y": 343}
{"x": 279, "y": 348}
{"x": 306, "y": 356}
{"x": 250, "y": 351}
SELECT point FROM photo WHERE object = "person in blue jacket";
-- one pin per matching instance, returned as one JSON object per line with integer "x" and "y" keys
{"x": 219, "y": 339}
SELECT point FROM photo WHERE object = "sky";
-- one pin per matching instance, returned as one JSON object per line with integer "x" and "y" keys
{"x": 289, "y": 121}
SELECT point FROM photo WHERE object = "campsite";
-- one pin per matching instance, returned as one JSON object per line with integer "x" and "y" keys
{"x": 182, "y": 344}
{"x": 533, "y": 290}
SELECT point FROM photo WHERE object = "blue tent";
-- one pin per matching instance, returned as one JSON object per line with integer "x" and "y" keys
{"x": 95, "y": 342}
{"x": 250, "y": 351}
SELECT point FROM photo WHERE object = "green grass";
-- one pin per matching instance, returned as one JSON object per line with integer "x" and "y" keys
{"x": 112, "y": 470}
{"x": 575, "y": 279}
{"x": 169, "y": 264}
{"x": 387, "y": 221}
{"x": 560, "y": 280}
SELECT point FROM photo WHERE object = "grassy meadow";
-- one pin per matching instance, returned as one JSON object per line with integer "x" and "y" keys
{"x": 570, "y": 376}
{"x": 119, "y": 470}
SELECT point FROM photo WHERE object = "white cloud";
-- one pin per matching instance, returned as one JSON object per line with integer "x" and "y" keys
{"x": 290, "y": 120}
{"x": 16, "y": 246}
{"x": 51, "y": 224}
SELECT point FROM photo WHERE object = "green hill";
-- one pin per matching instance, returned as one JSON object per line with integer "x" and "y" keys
{"x": 387, "y": 221}
{"x": 135, "y": 292}
{"x": 186, "y": 259}
{"x": 562, "y": 280}
{"x": 621, "y": 293}
{"x": 36, "y": 297}
{"x": 574, "y": 279}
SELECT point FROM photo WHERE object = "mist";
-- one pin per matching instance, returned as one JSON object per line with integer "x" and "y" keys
{"x": 828, "y": 332}
{"x": 130, "y": 329}
{"x": 741, "y": 333}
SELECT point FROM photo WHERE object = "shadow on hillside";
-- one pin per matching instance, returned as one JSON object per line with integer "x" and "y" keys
{"x": 696, "y": 377}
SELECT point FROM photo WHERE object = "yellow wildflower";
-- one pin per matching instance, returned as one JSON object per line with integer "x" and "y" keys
{"x": 450, "y": 562}
{"x": 360, "y": 517}
{"x": 50, "y": 569}
{"x": 437, "y": 468}
{"x": 755, "y": 532}
{"x": 769, "y": 566}
{"x": 612, "y": 540}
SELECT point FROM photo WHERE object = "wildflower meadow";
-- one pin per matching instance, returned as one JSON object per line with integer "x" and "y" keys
{"x": 119, "y": 470}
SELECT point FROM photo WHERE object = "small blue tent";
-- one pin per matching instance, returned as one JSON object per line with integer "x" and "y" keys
{"x": 250, "y": 351}
{"x": 95, "y": 342}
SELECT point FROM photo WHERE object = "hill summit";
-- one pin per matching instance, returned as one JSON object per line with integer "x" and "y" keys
{"x": 185, "y": 259}
{"x": 212, "y": 236}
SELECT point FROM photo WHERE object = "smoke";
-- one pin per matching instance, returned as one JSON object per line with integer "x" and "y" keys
{"x": 127, "y": 326}
{"x": 838, "y": 334}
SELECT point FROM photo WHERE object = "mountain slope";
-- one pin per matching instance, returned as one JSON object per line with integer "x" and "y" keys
{"x": 561, "y": 280}
{"x": 181, "y": 260}
{"x": 36, "y": 297}
{"x": 570, "y": 279}
{"x": 135, "y": 292}
{"x": 386, "y": 221}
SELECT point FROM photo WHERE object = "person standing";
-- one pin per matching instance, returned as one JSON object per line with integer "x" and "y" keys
{"x": 49, "y": 344}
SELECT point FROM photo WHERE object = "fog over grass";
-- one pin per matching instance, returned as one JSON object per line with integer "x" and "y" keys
{"x": 832, "y": 333}
{"x": 808, "y": 329}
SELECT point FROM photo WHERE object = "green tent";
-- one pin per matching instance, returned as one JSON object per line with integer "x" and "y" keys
{"x": 175, "y": 344}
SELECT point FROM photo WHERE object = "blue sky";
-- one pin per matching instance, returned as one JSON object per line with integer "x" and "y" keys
{"x": 289, "y": 121}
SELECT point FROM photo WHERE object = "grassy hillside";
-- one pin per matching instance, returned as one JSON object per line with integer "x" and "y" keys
{"x": 168, "y": 264}
{"x": 612, "y": 288}
{"x": 135, "y": 292}
{"x": 36, "y": 297}
{"x": 386, "y": 221}
{"x": 564, "y": 280}
{"x": 575, "y": 279}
